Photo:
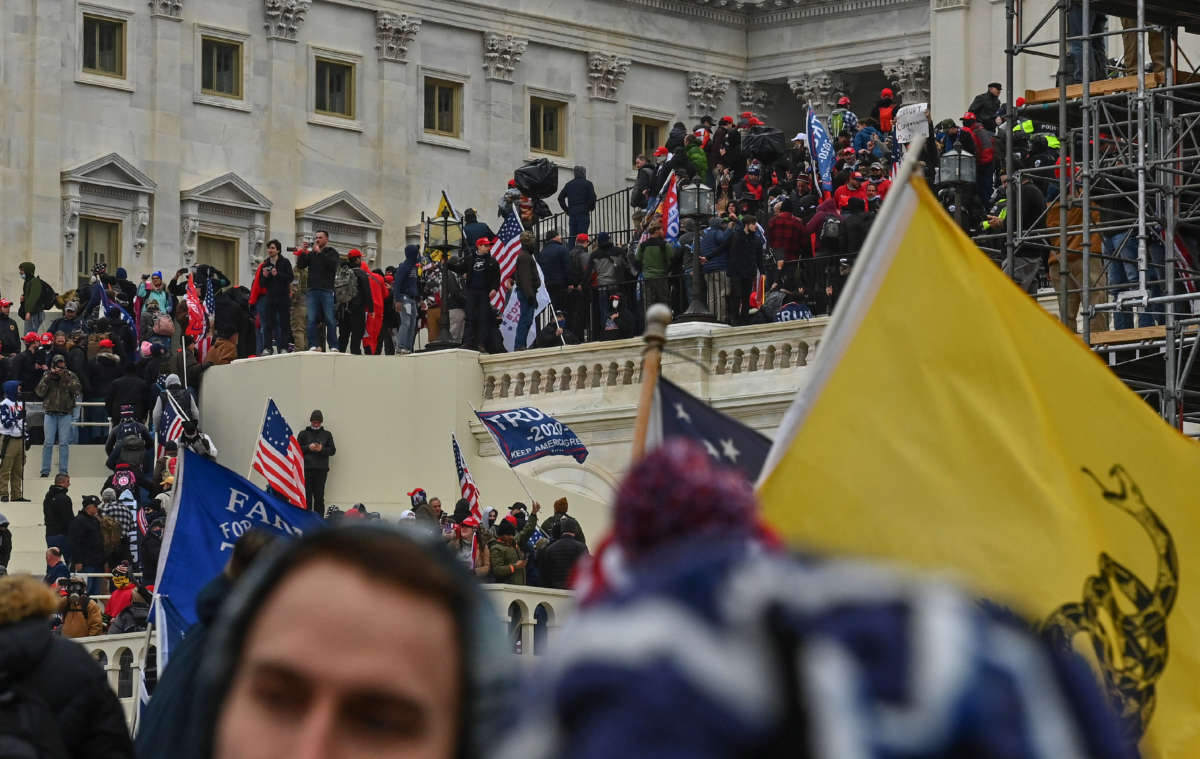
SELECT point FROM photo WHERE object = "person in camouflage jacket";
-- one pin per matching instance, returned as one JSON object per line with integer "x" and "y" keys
{"x": 508, "y": 560}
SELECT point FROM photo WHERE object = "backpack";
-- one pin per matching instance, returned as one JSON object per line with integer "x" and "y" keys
{"x": 28, "y": 729}
{"x": 112, "y": 535}
{"x": 133, "y": 451}
{"x": 837, "y": 121}
{"x": 164, "y": 326}
{"x": 48, "y": 296}
{"x": 885, "y": 118}
{"x": 345, "y": 286}
{"x": 831, "y": 230}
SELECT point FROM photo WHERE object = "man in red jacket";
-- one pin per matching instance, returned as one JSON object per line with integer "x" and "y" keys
{"x": 985, "y": 156}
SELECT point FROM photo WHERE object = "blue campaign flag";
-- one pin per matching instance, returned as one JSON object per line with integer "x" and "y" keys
{"x": 526, "y": 434}
{"x": 821, "y": 147}
{"x": 110, "y": 308}
{"x": 213, "y": 508}
{"x": 730, "y": 443}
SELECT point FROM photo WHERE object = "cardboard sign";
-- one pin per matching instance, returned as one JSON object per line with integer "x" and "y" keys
{"x": 911, "y": 122}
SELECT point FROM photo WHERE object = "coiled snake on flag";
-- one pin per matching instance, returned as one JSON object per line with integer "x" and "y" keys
{"x": 1131, "y": 648}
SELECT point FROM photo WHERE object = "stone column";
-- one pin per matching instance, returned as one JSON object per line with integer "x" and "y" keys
{"x": 950, "y": 57}
{"x": 399, "y": 90}
{"x": 166, "y": 97}
{"x": 286, "y": 82}
{"x": 502, "y": 107}
{"x": 909, "y": 77}
{"x": 820, "y": 89}
{"x": 705, "y": 93}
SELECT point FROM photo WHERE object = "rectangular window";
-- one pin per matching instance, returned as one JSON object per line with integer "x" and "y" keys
{"x": 443, "y": 107}
{"x": 103, "y": 46}
{"x": 221, "y": 67}
{"x": 99, "y": 242}
{"x": 335, "y": 88}
{"x": 219, "y": 252}
{"x": 647, "y": 135}
{"x": 547, "y": 126}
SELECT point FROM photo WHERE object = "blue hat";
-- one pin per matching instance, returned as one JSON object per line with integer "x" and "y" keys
{"x": 121, "y": 274}
{"x": 602, "y": 238}
{"x": 156, "y": 274}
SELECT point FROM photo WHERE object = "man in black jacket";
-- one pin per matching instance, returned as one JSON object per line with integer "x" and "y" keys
{"x": 352, "y": 321}
{"x": 57, "y": 513}
{"x": 578, "y": 199}
{"x": 317, "y": 444}
{"x": 85, "y": 719}
{"x": 322, "y": 262}
{"x": 560, "y": 557}
{"x": 986, "y": 106}
{"x": 482, "y": 281}
{"x": 555, "y": 260}
{"x": 10, "y": 333}
{"x": 274, "y": 307}
{"x": 473, "y": 228}
{"x": 128, "y": 392}
{"x": 85, "y": 543}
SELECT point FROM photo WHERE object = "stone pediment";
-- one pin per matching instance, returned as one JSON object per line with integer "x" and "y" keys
{"x": 342, "y": 208}
{"x": 228, "y": 190}
{"x": 111, "y": 171}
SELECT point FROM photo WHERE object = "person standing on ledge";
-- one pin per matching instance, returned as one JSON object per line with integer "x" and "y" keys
{"x": 317, "y": 444}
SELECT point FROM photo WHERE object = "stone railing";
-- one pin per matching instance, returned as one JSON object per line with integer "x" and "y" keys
{"x": 531, "y": 617}
{"x": 121, "y": 656}
{"x": 693, "y": 349}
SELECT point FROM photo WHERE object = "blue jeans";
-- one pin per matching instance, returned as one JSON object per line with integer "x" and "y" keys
{"x": 260, "y": 310}
{"x": 276, "y": 318}
{"x": 579, "y": 223}
{"x": 320, "y": 309}
{"x": 525, "y": 321}
{"x": 406, "y": 333}
{"x": 58, "y": 429}
{"x": 1123, "y": 247}
{"x": 33, "y": 322}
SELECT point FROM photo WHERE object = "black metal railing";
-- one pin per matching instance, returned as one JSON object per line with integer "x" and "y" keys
{"x": 612, "y": 215}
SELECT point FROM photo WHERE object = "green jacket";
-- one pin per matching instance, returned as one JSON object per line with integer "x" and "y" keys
{"x": 655, "y": 256}
{"x": 58, "y": 395}
{"x": 503, "y": 556}
{"x": 699, "y": 161}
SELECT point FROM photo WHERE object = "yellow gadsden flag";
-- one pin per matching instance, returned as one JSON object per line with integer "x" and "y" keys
{"x": 952, "y": 424}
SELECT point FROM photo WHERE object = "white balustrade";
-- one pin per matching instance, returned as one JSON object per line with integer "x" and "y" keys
{"x": 531, "y": 616}
{"x": 121, "y": 656}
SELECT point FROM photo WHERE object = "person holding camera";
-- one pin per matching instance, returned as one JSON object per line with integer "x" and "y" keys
{"x": 275, "y": 277}
{"x": 58, "y": 388}
{"x": 322, "y": 262}
{"x": 80, "y": 614}
{"x": 153, "y": 290}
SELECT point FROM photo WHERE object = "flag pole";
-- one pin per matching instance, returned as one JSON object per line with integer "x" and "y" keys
{"x": 516, "y": 476}
{"x": 658, "y": 317}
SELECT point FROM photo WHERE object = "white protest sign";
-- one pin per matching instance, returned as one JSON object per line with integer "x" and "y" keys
{"x": 911, "y": 122}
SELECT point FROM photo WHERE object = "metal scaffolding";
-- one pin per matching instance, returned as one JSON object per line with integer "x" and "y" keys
{"x": 1128, "y": 170}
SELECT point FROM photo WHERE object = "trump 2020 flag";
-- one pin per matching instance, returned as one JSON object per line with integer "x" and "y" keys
{"x": 821, "y": 147}
{"x": 213, "y": 508}
{"x": 972, "y": 432}
{"x": 512, "y": 314}
{"x": 677, "y": 413}
{"x": 526, "y": 434}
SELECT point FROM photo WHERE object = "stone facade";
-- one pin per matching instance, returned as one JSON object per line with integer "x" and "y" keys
{"x": 171, "y": 165}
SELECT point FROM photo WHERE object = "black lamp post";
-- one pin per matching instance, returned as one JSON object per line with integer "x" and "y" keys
{"x": 443, "y": 234}
{"x": 696, "y": 202}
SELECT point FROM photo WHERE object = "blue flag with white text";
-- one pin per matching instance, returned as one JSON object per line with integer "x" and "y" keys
{"x": 821, "y": 147}
{"x": 213, "y": 508}
{"x": 527, "y": 434}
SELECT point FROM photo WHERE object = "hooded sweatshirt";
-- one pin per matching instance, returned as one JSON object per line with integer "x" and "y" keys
{"x": 32, "y": 290}
{"x": 406, "y": 281}
{"x": 579, "y": 195}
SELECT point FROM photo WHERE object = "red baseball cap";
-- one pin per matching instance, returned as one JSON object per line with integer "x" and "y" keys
{"x": 856, "y": 175}
{"x": 581, "y": 237}
{"x": 47, "y": 338}
{"x": 30, "y": 337}
{"x": 886, "y": 92}
{"x": 5, "y": 302}
{"x": 354, "y": 253}
{"x": 843, "y": 100}
{"x": 106, "y": 343}
{"x": 968, "y": 116}
{"x": 483, "y": 241}
{"x": 660, "y": 150}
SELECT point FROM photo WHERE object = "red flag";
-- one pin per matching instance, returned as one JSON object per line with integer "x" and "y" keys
{"x": 197, "y": 316}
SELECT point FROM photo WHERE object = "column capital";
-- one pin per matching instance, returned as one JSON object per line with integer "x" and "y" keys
{"x": 501, "y": 54}
{"x": 820, "y": 89}
{"x": 394, "y": 32}
{"x": 172, "y": 9}
{"x": 606, "y": 74}
{"x": 909, "y": 77}
{"x": 752, "y": 96}
{"x": 705, "y": 93}
{"x": 284, "y": 18}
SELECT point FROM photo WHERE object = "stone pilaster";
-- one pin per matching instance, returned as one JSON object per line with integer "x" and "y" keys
{"x": 285, "y": 17}
{"x": 910, "y": 78}
{"x": 189, "y": 230}
{"x": 705, "y": 93}
{"x": 752, "y": 96}
{"x": 172, "y": 9}
{"x": 394, "y": 32}
{"x": 501, "y": 54}
{"x": 820, "y": 89}
{"x": 606, "y": 74}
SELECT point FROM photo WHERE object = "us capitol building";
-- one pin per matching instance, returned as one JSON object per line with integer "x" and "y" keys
{"x": 151, "y": 135}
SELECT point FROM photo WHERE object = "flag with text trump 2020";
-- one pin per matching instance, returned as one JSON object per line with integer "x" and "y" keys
{"x": 213, "y": 508}
{"x": 526, "y": 434}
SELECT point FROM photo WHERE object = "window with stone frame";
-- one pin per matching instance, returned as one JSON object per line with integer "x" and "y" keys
{"x": 221, "y": 67}
{"x": 334, "y": 88}
{"x": 103, "y": 46}
{"x": 547, "y": 126}
{"x": 443, "y": 107}
{"x": 648, "y": 134}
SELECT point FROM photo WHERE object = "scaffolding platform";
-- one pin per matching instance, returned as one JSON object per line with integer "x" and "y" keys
{"x": 1103, "y": 87}
{"x": 1185, "y": 13}
{"x": 1133, "y": 335}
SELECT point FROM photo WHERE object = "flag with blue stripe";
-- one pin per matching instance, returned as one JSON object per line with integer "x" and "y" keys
{"x": 676, "y": 413}
{"x": 821, "y": 147}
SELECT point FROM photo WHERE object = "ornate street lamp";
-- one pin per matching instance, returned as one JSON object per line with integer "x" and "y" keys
{"x": 696, "y": 202}
{"x": 443, "y": 233}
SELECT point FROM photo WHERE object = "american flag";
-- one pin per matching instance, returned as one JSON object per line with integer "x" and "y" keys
{"x": 465, "y": 483}
{"x": 206, "y": 340}
{"x": 506, "y": 251}
{"x": 170, "y": 426}
{"x": 277, "y": 457}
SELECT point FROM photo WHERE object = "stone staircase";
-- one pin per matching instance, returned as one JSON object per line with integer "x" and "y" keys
{"x": 28, "y": 528}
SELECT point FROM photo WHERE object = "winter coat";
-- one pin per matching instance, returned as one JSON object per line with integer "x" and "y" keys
{"x": 698, "y": 161}
{"x": 223, "y": 352}
{"x": 527, "y": 279}
{"x": 406, "y": 281}
{"x": 279, "y": 286}
{"x": 474, "y": 266}
{"x": 322, "y": 267}
{"x": 103, "y": 370}
{"x": 58, "y": 394}
{"x": 606, "y": 265}
{"x": 57, "y": 511}
{"x": 81, "y": 624}
{"x": 639, "y": 196}
{"x": 558, "y": 559}
{"x": 89, "y": 720}
{"x": 10, "y": 336}
{"x": 129, "y": 390}
{"x": 131, "y": 619}
{"x": 31, "y": 291}
{"x": 555, "y": 261}
{"x": 316, "y": 460}
{"x": 579, "y": 195}
{"x": 85, "y": 544}
{"x": 474, "y": 229}
{"x": 655, "y": 256}
{"x": 986, "y": 107}
{"x": 745, "y": 254}
{"x": 676, "y": 137}
{"x": 504, "y": 556}
{"x": 5, "y": 546}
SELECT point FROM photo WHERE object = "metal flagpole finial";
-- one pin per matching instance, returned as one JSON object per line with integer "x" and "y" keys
{"x": 658, "y": 317}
